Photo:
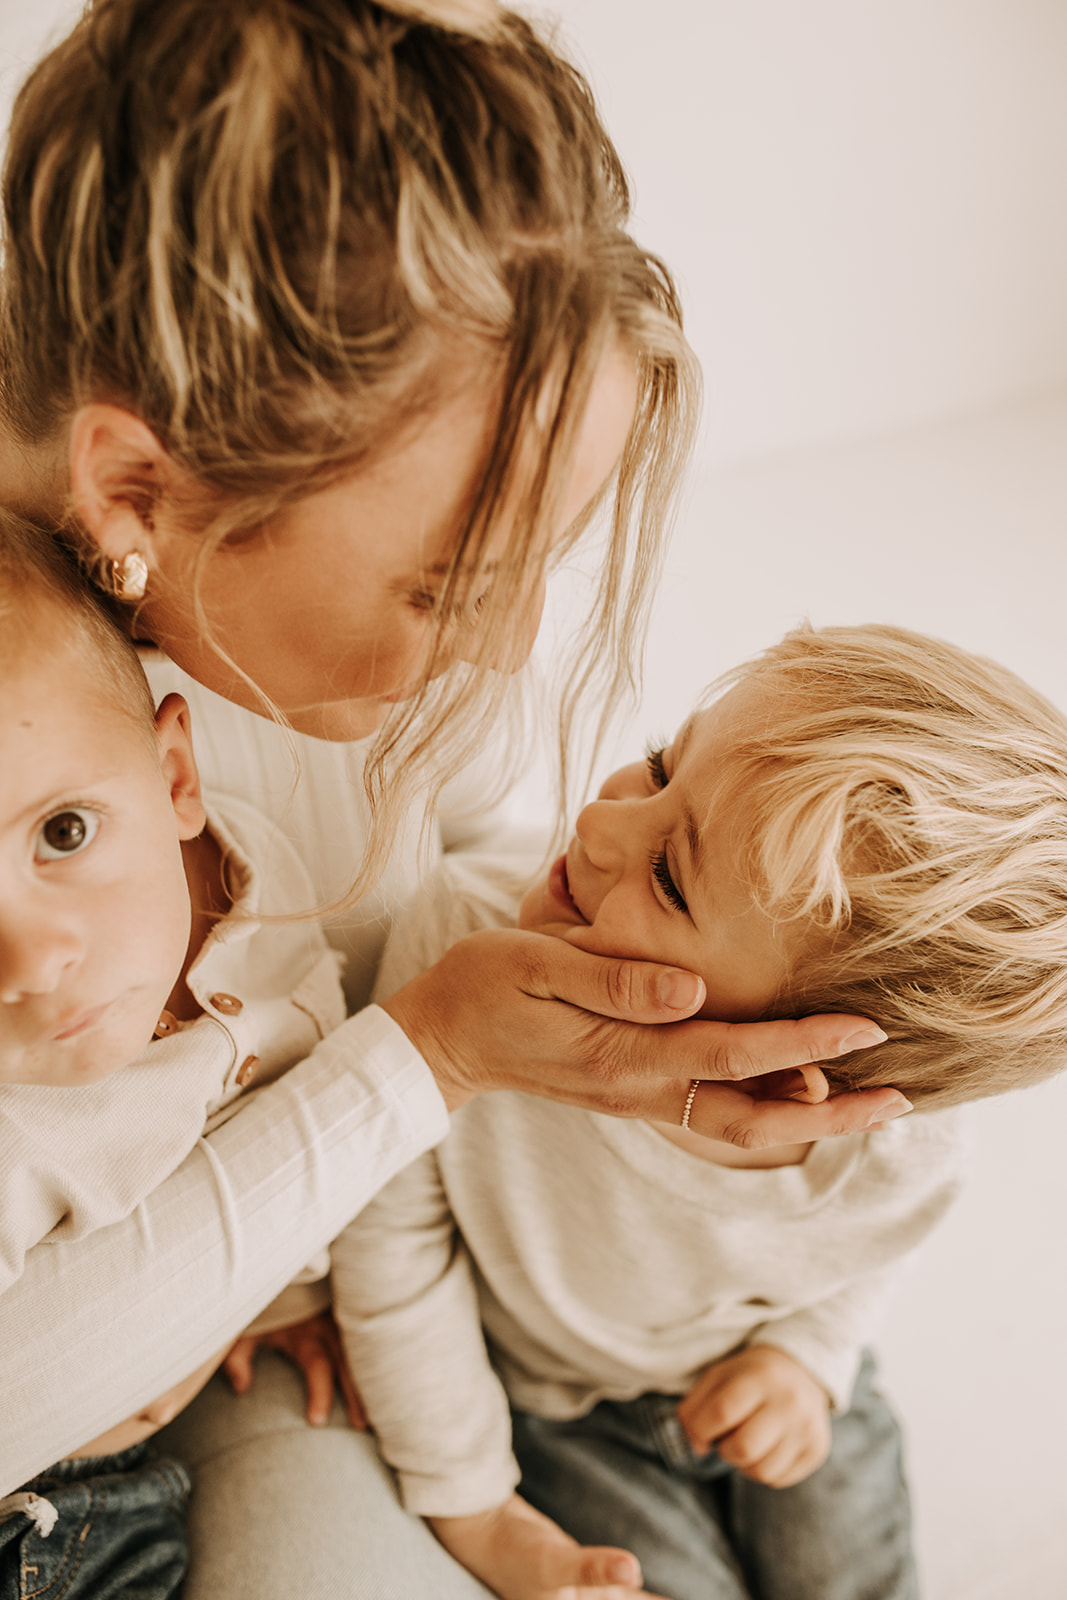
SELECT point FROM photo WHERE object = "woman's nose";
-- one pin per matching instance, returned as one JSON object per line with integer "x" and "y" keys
{"x": 35, "y": 953}
{"x": 510, "y": 649}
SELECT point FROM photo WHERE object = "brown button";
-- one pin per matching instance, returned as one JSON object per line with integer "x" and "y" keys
{"x": 228, "y": 1004}
{"x": 247, "y": 1070}
{"x": 167, "y": 1024}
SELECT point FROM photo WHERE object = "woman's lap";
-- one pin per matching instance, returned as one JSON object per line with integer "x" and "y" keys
{"x": 281, "y": 1509}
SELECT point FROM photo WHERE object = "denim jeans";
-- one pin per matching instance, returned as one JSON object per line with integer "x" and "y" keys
{"x": 119, "y": 1533}
{"x": 625, "y": 1475}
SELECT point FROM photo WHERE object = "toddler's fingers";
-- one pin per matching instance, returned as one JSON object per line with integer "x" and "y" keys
{"x": 718, "y": 1403}
{"x": 238, "y": 1365}
{"x": 753, "y": 1443}
{"x": 318, "y": 1377}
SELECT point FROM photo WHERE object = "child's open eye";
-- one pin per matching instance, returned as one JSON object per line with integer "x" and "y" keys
{"x": 65, "y": 833}
{"x": 656, "y": 770}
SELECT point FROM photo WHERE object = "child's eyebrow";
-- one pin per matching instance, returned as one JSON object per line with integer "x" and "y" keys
{"x": 695, "y": 840}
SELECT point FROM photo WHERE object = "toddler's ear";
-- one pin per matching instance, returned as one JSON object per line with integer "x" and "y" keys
{"x": 175, "y": 740}
{"x": 815, "y": 1089}
{"x": 806, "y": 1084}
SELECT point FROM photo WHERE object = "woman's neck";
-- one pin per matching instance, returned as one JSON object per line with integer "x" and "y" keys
{"x": 33, "y": 477}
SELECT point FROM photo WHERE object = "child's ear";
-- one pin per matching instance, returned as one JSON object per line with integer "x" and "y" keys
{"x": 175, "y": 741}
{"x": 815, "y": 1089}
{"x": 118, "y": 470}
{"x": 808, "y": 1085}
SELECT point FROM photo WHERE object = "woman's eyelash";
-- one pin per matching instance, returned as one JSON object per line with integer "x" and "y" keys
{"x": 425, "y": 600}
{"x": 654, "y": 762}
{"x": 662, "y": 874}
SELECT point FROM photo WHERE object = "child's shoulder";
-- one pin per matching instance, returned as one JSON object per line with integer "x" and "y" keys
{"x": 925, "y": 1147}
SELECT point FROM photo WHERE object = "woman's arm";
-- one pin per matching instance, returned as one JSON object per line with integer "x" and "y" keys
{"x": 97, "y": 1328}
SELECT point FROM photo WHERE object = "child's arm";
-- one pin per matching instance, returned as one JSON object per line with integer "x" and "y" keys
{"x": 407, "y": 1306}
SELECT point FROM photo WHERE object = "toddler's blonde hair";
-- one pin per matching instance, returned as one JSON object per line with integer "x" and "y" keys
{"x": 907, "y": 802}
{"x": 274, "y": 229}
{"x": 46, "y": 604}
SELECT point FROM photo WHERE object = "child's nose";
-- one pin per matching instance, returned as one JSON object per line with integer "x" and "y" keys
{"x": 34, "y": 955}
{"x": 603, "y": 831}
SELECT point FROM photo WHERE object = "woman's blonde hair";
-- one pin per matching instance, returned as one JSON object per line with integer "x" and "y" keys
{"x": 265, "y": 227}
{"x": 906, "y": 802}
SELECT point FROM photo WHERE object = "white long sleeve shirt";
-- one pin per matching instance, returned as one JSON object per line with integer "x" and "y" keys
{"x": 97, "y": 1327}
{"x": 601, "y": 1260}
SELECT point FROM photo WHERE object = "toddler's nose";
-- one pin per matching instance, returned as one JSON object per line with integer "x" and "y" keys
{"x": 601, "y": 827}
{"x": 34, "y": 955}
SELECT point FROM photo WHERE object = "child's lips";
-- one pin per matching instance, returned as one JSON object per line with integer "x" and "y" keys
{"x": 77, "y": 1022}
{"x": 560, "y": 889}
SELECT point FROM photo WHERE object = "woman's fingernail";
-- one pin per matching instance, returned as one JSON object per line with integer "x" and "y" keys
{"x": 680, "y": 990}
{"x": 900, "y": 1108}
{"x": 862, "y": 1039}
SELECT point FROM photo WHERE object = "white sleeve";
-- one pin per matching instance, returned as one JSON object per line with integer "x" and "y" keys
{"x": 97, "y": 1328}
{"x": 407, "y": 1305}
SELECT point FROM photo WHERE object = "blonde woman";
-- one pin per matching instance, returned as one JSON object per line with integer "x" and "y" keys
{"x": 322, "y": 337}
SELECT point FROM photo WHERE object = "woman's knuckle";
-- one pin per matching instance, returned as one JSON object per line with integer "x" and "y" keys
{"x": 728, "y": 1062}
{"x": 743, "y": 1135}
{"x": 620, "y": 983}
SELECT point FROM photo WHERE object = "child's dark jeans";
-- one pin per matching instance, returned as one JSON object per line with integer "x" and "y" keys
{"x": 625, "y": 1475}
{"x": 118, "y": 1531}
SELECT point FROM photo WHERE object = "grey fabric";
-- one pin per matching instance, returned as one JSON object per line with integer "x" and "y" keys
{"x": 283, "y": 1511}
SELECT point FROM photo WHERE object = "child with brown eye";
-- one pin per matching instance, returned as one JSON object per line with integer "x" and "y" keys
{"x": 568, "y": 1328}
{"x": 150, "y": 974}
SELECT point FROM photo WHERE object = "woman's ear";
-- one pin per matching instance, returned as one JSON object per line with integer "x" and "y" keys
{"x": 118, "y": 470}
{"x": 174, "y": 737}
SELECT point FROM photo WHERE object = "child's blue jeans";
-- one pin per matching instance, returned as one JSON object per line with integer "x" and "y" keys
{"x": 625, "y": 1475}
{"x": 119, "y": 1532}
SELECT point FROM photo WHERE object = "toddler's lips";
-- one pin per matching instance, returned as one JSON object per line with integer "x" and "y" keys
{"x": 79, "y": 1022}
{"x": 560, "y": 890}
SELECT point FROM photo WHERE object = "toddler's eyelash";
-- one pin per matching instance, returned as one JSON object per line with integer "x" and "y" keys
{"x": 654, "y": 762}
{"x": 662, "y": 874}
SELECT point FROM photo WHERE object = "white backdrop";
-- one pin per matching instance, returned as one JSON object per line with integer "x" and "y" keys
{"x": 863, "y": 201}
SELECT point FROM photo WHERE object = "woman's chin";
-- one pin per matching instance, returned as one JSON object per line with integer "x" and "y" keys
{"x": 340, "y": 721}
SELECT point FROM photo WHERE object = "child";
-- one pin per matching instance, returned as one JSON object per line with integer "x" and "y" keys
{"x": 672, "y": 1357}
{"x": 128, "y": 939}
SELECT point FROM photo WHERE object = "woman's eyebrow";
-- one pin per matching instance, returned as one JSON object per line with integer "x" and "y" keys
{"x": 441, "y": 569}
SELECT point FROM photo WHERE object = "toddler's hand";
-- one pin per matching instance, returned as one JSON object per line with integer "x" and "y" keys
{"x": 315, "y": 1348}
{"x": 522, "y": 1555}
{"x": 765, "y": 1414}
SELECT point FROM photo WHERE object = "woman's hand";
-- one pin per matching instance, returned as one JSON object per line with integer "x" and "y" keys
{"x": 314, "y": 1346}
{"x": 522, "y": 1555}
{"x": 514, "y": 1010}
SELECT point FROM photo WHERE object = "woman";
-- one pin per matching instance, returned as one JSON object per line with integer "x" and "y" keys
{"x": 322, "y": 338}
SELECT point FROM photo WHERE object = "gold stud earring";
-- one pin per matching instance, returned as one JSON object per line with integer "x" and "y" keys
{"x": 129, "y": 577}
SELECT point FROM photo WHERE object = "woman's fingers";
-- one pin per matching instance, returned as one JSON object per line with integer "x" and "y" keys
{"x": 723, "y": 1111}
{"x": 524, "y": 1011}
